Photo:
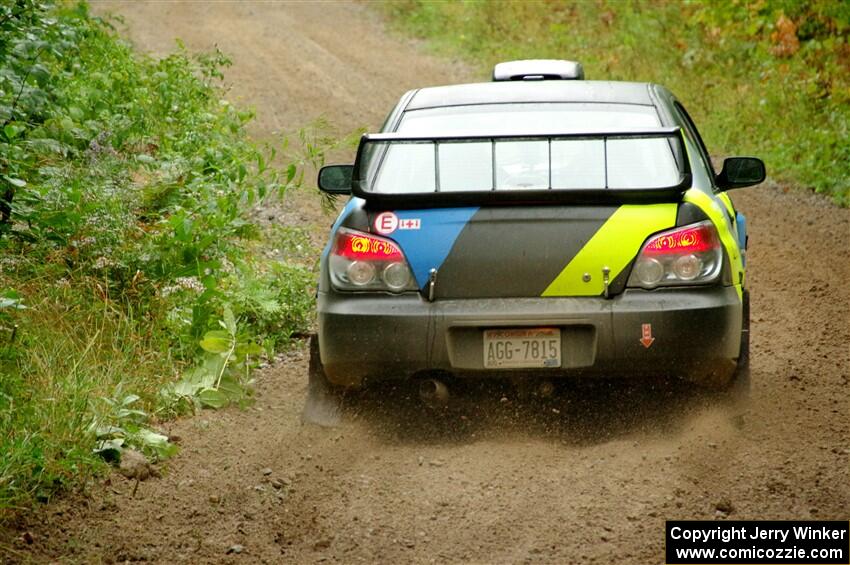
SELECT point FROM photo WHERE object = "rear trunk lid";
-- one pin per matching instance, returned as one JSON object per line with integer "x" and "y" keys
{"x": 526, "y": 250}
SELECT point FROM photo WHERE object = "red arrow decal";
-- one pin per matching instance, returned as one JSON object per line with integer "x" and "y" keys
{"x": 646, "y": 335}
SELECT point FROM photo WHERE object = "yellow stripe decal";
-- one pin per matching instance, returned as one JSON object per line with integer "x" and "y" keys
{"x": 731, "y": 209}
{"x": 613, "y": 246}
{"x": 727, "y": 202}
{"x": 714, "y": 209}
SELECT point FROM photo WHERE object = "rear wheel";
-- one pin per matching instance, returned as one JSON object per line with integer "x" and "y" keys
{"x": 324, "y": 400}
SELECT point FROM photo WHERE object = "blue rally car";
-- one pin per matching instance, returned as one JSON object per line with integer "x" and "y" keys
{"x": 539, "y": 226}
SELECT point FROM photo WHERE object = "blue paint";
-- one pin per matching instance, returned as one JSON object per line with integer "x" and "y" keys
{"x": 741, "y": 222}
{"x": 427, "y": 247}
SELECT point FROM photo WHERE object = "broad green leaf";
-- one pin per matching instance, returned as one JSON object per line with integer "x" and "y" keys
{"x": 158, "y": 442}
{"x": 231, "y": 387}
{"x": 184, "y": 387}
{"x": 13, "y": 130}
{"x": 129, "y": 399}
{"x": 151, "y": 438}
{"x": 11, "y": 303}
{"x": 198, "y": 378}
{"x": 67, "y": 124}
{"x": 218, "y": 334}
{"x": 6, "y": 303}
{"x": 16, "y": 182}
{"x": 216, "y": 341}
{"x": 229, "y": 320}
{"x": 137, "y": 415}
{"x": 213, "y": 398}
{"x": 248, "y": 348}
{"x": 211, "y": 369}
{"x": 76, "y": 113}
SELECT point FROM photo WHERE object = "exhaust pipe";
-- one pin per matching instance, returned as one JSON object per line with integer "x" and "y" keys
{"x": 434, "y": 392}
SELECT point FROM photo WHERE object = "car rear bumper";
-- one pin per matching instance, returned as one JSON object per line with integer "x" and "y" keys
{"x": 696, "y": 334}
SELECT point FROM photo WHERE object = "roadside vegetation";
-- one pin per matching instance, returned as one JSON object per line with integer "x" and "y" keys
{"x": 766, "y": 77}
{"x": 134, "y": 284}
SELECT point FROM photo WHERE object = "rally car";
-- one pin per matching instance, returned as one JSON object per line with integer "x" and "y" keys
{"x": 539, "y": 226}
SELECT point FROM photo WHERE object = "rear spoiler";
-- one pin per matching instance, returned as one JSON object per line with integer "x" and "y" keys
{"x": 379, "y": 142}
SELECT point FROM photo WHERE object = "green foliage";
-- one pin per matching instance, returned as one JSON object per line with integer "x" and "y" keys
{"x": 223, "y": 377}
{"x": 65, "y": 358}
{"x": 137, "y": 283}
{"x": 123, "y": 424}
{"x": 768, "y": 77}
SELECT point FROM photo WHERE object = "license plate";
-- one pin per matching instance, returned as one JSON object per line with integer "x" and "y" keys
{"x": 522, "y": 348}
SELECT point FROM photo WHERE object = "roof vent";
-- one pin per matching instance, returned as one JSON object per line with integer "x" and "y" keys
{"x": 538, "y": 69}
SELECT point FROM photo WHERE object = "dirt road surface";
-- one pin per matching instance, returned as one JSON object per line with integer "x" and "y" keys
{"x": 588, "y": 477}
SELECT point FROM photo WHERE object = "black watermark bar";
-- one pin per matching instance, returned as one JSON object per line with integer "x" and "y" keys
{"x": 806, "y": 542}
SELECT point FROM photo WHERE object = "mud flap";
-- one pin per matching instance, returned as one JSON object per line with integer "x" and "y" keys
{"x": 739, "y": 389}
{"x": 324, "y": 403}
{"x": 736, "y": 395}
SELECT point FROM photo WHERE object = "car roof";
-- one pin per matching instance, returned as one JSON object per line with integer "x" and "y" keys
{"x": 614, "y": 92}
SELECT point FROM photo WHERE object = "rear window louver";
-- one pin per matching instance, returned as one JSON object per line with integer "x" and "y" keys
{"x": 401, "y": 169}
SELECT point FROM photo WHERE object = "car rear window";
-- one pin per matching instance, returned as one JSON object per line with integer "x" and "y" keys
{"x": 517, "y": 164}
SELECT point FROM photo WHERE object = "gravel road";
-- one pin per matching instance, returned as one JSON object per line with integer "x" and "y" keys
{"x": 588, "y": 477}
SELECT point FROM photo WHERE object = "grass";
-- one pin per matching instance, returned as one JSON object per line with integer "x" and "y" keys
{"x": 72, "y": 354}
{"x": 769, "y": 78}
{"x": 134, "y": 282}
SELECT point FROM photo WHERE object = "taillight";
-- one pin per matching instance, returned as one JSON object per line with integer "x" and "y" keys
{"x": 362, "y": 261}
{"x": 686, "y": 255}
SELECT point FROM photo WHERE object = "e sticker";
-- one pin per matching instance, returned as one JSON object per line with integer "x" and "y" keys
{"x": 386, "y": 223}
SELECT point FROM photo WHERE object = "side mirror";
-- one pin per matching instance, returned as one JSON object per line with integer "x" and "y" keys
{"x": 740, "y": 171}
{"x": 336, "y": 179}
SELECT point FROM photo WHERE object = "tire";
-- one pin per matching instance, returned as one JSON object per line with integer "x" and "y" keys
{"x": 324, "y": 401}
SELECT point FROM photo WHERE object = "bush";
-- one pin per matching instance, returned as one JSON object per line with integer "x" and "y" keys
{"x": 769, "y": 78}
{"x": 127, "y": 251}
